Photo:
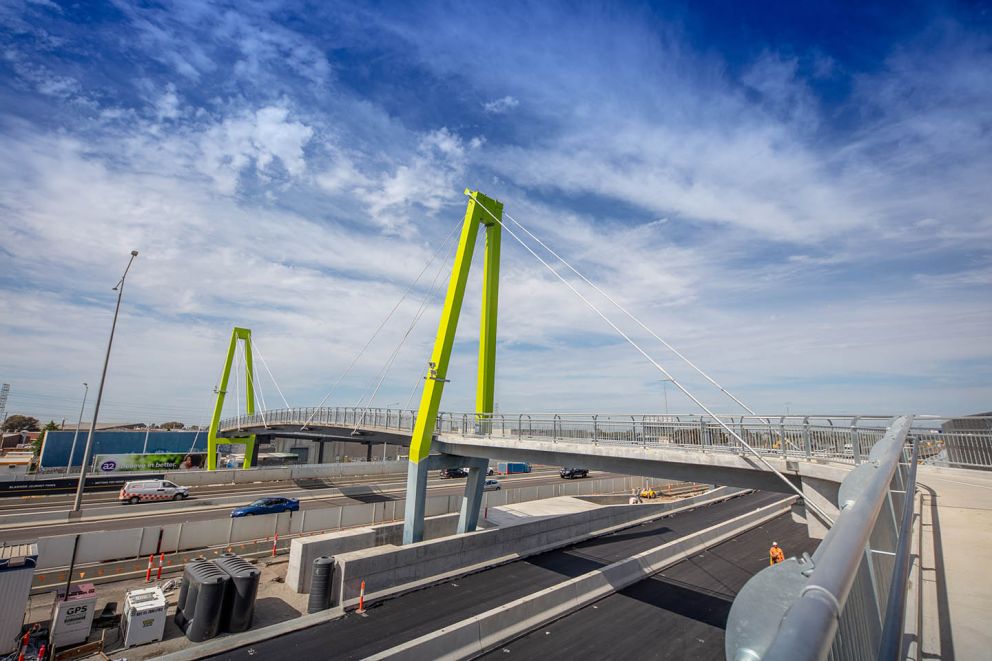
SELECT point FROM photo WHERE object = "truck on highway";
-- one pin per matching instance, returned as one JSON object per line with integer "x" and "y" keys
{"x": 510, "y": 467}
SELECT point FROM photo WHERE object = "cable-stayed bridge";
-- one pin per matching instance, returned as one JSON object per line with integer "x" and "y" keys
{"x": 855, "y": 476}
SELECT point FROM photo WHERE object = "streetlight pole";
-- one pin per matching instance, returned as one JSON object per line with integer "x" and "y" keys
{"x": 99, "y": 393}
{"x": 72, "y": 452}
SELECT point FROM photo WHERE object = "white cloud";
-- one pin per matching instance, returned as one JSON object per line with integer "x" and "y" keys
{"x": 254, "y": 139}
{"x": 500, "y": 106}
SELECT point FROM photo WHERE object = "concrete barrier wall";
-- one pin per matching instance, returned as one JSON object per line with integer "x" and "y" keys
{"x": 486, "y": 631}
{"x": 304, "y": 550}
{"x": 389, "y": 569}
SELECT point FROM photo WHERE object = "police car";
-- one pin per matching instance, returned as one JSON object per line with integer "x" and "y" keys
{"x": 145, "y": 491}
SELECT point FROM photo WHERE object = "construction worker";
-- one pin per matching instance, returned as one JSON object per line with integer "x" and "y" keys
{"x": 775, "y": 554}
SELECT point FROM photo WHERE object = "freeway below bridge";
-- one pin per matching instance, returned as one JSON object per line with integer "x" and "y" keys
{"x": 105, "y": 513}
{"x": 414, "y": 614}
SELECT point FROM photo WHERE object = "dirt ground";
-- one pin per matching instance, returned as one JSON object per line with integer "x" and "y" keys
{"x": 275, "y": 603}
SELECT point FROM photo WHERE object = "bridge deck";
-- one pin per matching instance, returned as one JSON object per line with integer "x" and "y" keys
{"x": 956, "y": 555}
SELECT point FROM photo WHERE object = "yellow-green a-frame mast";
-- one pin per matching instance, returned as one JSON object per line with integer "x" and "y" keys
{"x": 244, "y": 335}
{"x": 486, "y": 212}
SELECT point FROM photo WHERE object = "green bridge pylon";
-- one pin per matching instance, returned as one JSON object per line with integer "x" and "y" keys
{"x": 486, "y": 212}
{"x": 244, "y": 335}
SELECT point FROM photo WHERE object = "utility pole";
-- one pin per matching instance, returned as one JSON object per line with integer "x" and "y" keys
{"x": 99, "y": 393}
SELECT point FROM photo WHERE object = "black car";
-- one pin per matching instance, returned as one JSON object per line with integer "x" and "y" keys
{"x": 572, "y": 473}
{"x": 454, "y": 472}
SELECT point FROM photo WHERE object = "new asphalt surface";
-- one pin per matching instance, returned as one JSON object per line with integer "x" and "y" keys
{"x": 680, "y": 613}
{"x": 411, "y": 615}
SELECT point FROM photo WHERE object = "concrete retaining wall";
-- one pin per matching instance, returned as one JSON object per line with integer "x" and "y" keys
{"x": 304, "y": 550}
{"x": 483, "y": 632}
{"x": 389, "y": 569}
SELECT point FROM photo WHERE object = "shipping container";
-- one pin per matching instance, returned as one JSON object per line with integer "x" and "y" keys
{"x": 509, "y": 467}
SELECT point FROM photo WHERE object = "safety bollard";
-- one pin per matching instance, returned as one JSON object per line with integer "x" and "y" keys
{"x": 161, "y": 561}
{"x": 361, "y": 599}
{"x": 275, "y": 541}
{"x": 148, "y": 572}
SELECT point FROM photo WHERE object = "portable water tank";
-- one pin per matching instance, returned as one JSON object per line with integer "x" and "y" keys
{"x": 73, "y": 616}
{"x": 17, "y": 563}
{"x": 143, "y": 617}
{"x": 239, "y": 602}
{"x": 320, "y": 584}
{"x": 201, "y": 600}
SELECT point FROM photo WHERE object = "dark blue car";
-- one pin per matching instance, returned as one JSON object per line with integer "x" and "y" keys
{"x": 268, "y": 506}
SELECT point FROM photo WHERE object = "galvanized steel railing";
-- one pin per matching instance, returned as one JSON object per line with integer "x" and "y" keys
{"x": 836, "y": 437}
{"x": 849, "y": 597}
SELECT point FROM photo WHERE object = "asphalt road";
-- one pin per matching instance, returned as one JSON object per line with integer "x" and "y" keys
{"x": 343, "y": 493}
{"x": 411, "y": 615}
{"x": 95, "y": 500}
{"x": 680, "y": 613}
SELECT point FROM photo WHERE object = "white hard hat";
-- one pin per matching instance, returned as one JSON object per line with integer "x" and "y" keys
{"x": 774, "y": 543}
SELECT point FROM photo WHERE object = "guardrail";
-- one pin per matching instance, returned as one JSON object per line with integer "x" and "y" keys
{"x": 960, "y": 442}
{"x": 848, "y": 597}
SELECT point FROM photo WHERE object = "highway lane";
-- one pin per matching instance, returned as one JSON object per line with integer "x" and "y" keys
{"x": 96, "y": 499}
{"x": 132, "y": 515}
{"x": 680, "y": 613}
{"x": 411, "y": 615}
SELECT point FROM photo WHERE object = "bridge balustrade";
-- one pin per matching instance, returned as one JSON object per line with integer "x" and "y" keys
{"x": 848, "y": 600}
{"x": 842, "y": 438}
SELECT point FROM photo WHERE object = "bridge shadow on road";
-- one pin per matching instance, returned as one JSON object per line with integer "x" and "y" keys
{"x": 683, "y": 599}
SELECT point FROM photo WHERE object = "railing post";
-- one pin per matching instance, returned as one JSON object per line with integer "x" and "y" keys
{"x": 781, "y": 425}
{"x": 554, "y": 427}
{"x": 520, "y": 427}
{"x": 807, "y": 439}
{"x": 595, "y": 430}
{"x": 855, "y": 441}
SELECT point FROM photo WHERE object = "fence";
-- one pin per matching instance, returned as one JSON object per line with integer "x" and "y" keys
{"x": 849, "y": 597}
{"x": 961, "y": 442}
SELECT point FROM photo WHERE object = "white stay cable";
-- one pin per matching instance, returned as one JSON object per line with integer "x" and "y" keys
{"x": 660, "y": 368}
{"x": 638, "y": 321}
{"x": 389, "y": 363}
{"x": 255, "y": 388}
{"x": 382, "y": 324}
{"x": 257, "y": 350}
{"x": 237, "y": 386}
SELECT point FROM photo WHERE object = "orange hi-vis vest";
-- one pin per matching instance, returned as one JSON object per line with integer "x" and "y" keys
{"x": 775, "y": 555}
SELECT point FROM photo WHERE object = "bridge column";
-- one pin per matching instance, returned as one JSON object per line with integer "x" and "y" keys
{"x": 468, "y": 519}
{"x": 416, "y": 502}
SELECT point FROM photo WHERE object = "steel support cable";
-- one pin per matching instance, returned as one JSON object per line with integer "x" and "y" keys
{"x": 255, "y": 348}
{"x": 661, "y": 369}
{"x": 416, "y": 319}
{"x": 255, "y": 388}
{"x": 237, "y": 387}
{"x": 381, "y": 325}
{"x": 640, "y": 323}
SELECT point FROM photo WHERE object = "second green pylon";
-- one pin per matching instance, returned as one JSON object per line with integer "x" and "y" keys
{"x": 486, "y": 212}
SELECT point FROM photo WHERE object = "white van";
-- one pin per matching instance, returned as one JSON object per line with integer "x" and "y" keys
{"x": 145, "y": 491}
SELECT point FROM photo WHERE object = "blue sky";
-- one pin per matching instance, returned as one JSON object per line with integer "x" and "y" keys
{"x": 796, "y": 197}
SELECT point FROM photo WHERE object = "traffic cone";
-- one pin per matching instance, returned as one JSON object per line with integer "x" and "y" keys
{"x": 361, "y": 599}
{"x": 148, "y": 572}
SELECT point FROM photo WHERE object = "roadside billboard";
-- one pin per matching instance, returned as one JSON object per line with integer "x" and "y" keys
{"x": 153, "y": 461}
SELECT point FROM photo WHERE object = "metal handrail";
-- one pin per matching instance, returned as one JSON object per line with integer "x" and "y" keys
{"x": 808, "y": 629}
{"x": 895, "y": 610}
